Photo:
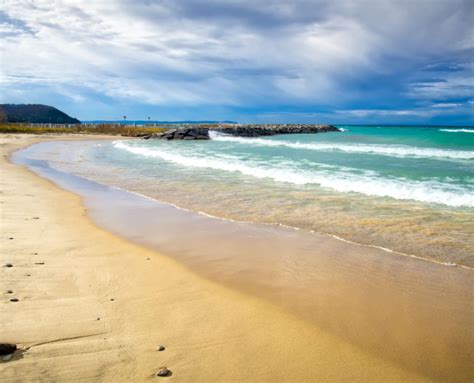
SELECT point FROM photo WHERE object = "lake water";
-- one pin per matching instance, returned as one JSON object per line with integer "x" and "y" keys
{"x": 407, "y": 189}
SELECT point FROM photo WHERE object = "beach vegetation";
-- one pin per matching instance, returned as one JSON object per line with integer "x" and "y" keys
{"x": 109, "y": 129}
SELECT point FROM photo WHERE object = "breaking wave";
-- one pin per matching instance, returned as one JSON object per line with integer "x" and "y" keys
{"x": 342, "y": 181}
{"x": 385, "y": 150}
{"x": 457, "y": 130}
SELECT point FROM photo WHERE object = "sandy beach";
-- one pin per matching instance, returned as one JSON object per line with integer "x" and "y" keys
{"x": 95, "y": 307}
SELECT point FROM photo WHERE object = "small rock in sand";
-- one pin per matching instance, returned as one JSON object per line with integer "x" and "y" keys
{"x": 112, "y": 299}
{"x": 11, "y": 238}
{"x": 164, "y": 372}
{"x": 7, "y": 348}
{"x": 8, "y": 265}
{"x": 9, "y": 291}
{"x": 161, "y": 348}
{"x": 14, "y": 300}
{"x": 36, "y": 217}
{"x": 39, "y": 263}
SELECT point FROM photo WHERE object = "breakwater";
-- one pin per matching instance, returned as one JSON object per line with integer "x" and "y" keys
{"x": 239, "y": 130}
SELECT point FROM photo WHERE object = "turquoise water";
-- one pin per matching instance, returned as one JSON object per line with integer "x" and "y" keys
{"x": 409, "y": 189}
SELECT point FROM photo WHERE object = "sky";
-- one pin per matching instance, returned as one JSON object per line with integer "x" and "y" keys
{"x": 341, "y": 62}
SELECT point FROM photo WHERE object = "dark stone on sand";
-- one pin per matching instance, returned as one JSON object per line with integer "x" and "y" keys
{"x": 7, "y": 348}
{"x": 9, "y": 291}
{"x": 39, "y": 263}
{"x": 11, "y": 238}
{"x": 112, "y": 299}
{"x": 164, "y": 372}
{"x": 14, "y": 300}
{"x": 8, "y": 265}
{"x": 161, "y": 348}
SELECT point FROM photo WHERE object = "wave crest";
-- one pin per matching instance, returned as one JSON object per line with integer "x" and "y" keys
{"x": 367, "y": 184}
{"x": 384, "y": 150}
{"x": 457, "y": 130}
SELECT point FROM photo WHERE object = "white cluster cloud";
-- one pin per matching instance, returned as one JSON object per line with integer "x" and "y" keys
{"x": 239, "y": 54}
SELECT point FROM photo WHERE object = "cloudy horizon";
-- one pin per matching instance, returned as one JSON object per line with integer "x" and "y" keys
{"x": 389, "y": 62}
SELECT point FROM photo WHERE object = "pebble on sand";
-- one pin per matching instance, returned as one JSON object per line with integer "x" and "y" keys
{"x": 161, "y": 348}
{"x": 7, "y": 348}
{"x": 164, "y": 372}
{"x": 9, "y": 291}
{"x": 14, "y": 300}
{"x": 8, "y": 265}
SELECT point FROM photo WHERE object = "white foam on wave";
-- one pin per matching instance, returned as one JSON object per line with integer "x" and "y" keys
{"x": 368, "y": 184}
{"x": 457, "y": 130}
{"x": 385, "y": 150}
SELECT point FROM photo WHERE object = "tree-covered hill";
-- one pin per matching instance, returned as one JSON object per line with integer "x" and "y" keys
{"x": 34, "y": 113}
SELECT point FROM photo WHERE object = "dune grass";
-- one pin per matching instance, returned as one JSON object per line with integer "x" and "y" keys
{"x": 112, "y": 129}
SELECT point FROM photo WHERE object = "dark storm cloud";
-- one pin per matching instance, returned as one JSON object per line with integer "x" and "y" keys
{"x": 350, "y": 57}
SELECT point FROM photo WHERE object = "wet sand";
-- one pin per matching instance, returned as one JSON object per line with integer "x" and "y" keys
{"x": 320, "y": 310}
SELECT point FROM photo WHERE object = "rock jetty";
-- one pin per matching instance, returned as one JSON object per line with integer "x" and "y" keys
{"x": 254, "y": 130}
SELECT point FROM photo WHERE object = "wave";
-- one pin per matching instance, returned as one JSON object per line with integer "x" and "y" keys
{"x": 367, "y": 184}
{"x": 457, "y": 130}
{"x": 385, "y": 150}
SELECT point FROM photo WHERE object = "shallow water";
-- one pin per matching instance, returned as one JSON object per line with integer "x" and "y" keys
{"x": 409, "y": 189}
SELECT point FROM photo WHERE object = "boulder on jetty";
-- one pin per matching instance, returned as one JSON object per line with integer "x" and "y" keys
{"x": 188, "y": 133}
{"x": 254, "y": 130}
